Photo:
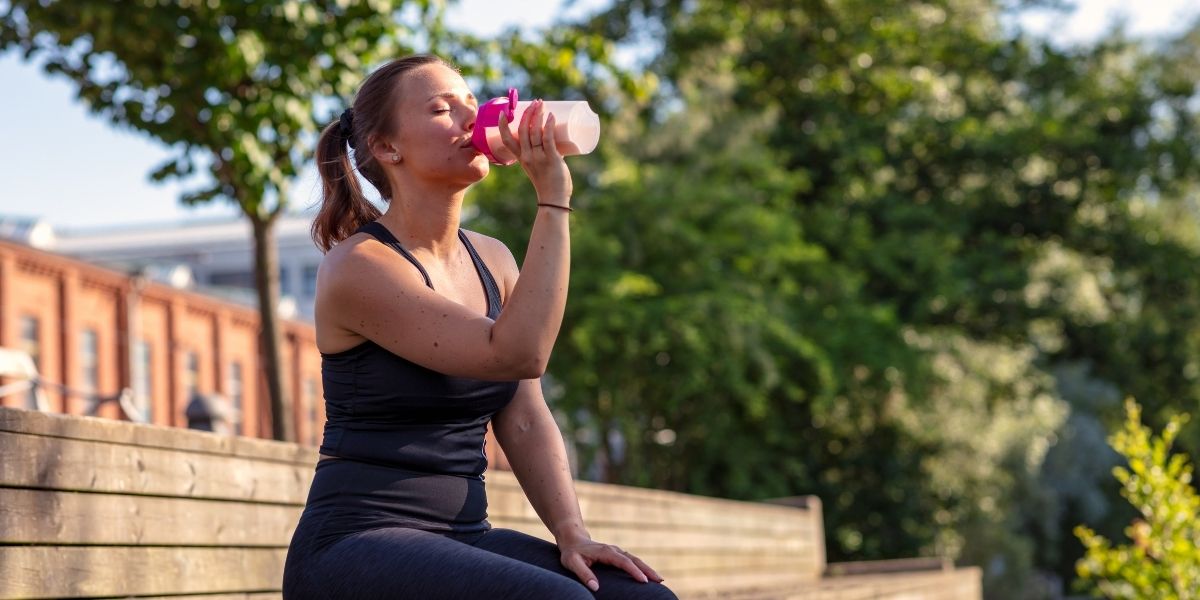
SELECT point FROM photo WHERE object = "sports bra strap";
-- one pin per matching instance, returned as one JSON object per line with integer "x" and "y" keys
{"x": 376, "y": 229}
{"x": 489, "y": 282}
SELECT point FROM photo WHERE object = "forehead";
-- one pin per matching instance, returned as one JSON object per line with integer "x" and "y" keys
{"x": 425, "y": 81}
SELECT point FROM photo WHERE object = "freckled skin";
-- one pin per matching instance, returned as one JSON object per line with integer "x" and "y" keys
{"x": 435, "y": 112}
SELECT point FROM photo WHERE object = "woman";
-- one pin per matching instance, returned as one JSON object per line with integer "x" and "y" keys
{"x": 427, "y": 333}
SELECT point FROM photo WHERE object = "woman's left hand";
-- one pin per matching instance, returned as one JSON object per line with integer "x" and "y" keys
{"x": 579, "y": 556}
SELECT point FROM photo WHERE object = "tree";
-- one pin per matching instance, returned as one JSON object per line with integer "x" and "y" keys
{"x": 230, "y": 86}
{"x": 239, "y": 90}
{"x": 939, "y": 191}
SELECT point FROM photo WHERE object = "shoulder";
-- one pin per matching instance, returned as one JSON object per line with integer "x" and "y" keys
{"x": 361, "y": 259}
{"x": 497, "y": 256}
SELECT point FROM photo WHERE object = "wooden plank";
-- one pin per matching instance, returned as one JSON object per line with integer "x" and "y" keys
{"x": 959, "y": 584}
{"x": 902, "y": 565}
{"x": 626, "y": 494}
{"x": 608, "y": 493}
{"x": 151, "y": 436}
{"x": 31, "y": 461}
{"x": 669, "y": 538}
{"x": 122, "y": 571}
{"x": 109, "y": 571}
{"x": 506, "y": 500}
{"x": 723, "y": 585}
{"x": 712, "y": 562}
{"x": 48, "y": 517}
{"x": 962, "y": 584}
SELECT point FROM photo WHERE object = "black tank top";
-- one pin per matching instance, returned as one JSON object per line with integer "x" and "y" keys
{"x": 386, "y": 411}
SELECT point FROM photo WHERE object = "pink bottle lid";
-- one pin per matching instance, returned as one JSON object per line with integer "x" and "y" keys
{"x": 489, "y": 116}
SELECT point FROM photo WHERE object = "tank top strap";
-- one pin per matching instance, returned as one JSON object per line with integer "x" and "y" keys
{"x": 381, "y": 233}
{"x": 489, "y": 282}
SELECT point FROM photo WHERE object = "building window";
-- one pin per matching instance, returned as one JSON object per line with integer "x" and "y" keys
{"x": 142, "y": 390}
{"x": 310, "y": 402}
{"x": 236, "y": 400}
{"x": 31, "y": 344}
{"x": 310, "y": 281}
{"x": 285, "y": 281}
{"x": 90, "y": 364}
{"x": 191, "y": 375}
{"x": 239, "y": 279}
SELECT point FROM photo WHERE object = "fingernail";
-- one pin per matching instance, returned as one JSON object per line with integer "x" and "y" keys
{"x": 592, "y": 585}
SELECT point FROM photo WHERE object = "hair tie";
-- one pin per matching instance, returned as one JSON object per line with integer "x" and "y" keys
{"x": 346, "y": 126}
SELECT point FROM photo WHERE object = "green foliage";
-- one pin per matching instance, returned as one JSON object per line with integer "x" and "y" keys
{"x": 1163, "y": 559}
{"x": 980, "y": 225}
{"x": 881, "y": 252}
{"x": 239, "y": 90}
{"x": 231, "y": 86}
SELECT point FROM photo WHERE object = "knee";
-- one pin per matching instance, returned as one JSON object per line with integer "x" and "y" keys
{"x": 652, "y": 591}
{"x": 632, "y": 590}
{"x": 658, "y": 591}
{"x": 569, "y": 590}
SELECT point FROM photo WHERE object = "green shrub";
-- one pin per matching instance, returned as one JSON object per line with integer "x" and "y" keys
{"x": 1162, "y": 561}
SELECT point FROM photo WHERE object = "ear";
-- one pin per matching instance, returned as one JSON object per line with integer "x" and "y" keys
{"x": 384, "y": 151}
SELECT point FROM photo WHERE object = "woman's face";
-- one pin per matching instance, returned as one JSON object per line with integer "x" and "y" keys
{"x": 434, "y": 120}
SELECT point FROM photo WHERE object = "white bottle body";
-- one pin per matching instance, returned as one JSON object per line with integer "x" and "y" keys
{"x": 577, "y": 128}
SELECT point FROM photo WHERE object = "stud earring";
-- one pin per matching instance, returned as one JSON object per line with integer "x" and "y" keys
{"x": 395, "y": 158}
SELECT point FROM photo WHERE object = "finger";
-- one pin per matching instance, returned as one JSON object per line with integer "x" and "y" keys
{"x": 523, "y": 130}
{"x": 645, "y": 567}
{"x": 550, "y": 141}
{"x": 535, "y": 131}
{"x": 619, "y": 559}
{"x": 506, "y": 136}
{"x": 577, "y": 566}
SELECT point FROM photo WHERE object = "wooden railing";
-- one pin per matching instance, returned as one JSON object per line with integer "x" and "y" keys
{"x": 94, "y": 508}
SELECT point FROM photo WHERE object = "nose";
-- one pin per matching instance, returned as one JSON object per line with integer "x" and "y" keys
{"x": 472, "y": 114}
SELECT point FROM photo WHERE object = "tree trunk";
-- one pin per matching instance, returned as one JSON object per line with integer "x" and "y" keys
{"x": 266, "y": 280}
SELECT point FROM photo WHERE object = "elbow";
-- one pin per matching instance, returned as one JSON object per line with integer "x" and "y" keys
{"x": 518, "y": 360}
{"x": 524, "y": 365}
{"x": 532, "y": 366}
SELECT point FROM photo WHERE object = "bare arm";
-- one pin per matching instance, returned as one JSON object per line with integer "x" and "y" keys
{"x": 383, "y": 300}
{"x": 534, "y": 446}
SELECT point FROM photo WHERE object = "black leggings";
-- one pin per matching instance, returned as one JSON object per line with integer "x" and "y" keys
{"x": 497, "y": 564}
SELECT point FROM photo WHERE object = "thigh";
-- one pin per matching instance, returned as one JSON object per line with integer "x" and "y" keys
{"x": 398, "y": 563}
{"x": 614, "y": 582}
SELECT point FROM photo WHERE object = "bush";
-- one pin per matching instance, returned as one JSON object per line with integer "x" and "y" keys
{"x": 1162, "y": 561}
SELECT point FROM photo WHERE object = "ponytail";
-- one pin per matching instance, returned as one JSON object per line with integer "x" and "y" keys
{"x": 343, "y": 206}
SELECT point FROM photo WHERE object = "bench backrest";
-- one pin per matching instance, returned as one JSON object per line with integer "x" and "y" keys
{"x": 99, "y": 508}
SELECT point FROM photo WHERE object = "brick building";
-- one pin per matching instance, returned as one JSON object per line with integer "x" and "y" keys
{"x": 95, "y": 333}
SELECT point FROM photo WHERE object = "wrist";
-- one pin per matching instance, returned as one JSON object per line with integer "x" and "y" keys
{"x": 560, "y": 199}
{"x": 570, "y": 533}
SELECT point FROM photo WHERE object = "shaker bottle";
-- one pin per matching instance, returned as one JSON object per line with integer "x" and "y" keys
{"x": 576, "y": 127}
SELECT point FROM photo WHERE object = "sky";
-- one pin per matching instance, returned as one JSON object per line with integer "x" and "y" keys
{"x": 79, "y": 172}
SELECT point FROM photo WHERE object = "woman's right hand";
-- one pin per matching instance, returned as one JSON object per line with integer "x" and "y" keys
{"x": 535, "y": 148}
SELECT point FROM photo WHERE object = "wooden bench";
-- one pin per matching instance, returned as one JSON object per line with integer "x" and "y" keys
{"x": 93, "y": 508}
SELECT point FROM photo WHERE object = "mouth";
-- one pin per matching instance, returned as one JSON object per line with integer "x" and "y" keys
{"x": 466, "y": 144}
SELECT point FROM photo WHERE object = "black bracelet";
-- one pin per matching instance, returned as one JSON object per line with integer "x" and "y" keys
{"x": 566, "y": 208}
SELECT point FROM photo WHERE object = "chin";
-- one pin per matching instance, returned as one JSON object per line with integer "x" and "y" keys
{"x": 480, "y": 166}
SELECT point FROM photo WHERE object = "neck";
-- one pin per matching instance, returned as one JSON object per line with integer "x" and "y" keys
{"x": 426, "y": 218}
